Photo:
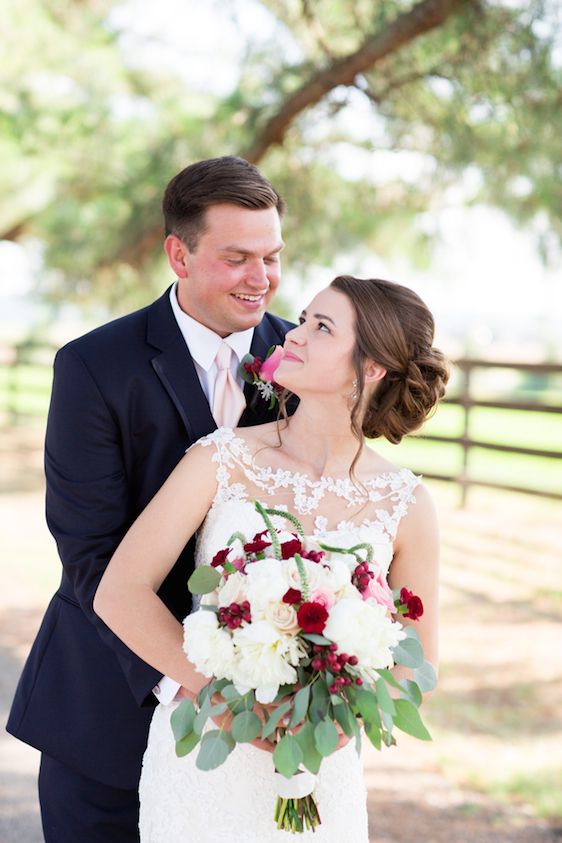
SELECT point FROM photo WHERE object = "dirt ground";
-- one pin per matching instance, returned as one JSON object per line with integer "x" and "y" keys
{"x": 495, "y": 559}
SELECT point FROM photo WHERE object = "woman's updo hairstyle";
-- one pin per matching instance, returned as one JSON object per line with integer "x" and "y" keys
{"x": 395, "y": 329}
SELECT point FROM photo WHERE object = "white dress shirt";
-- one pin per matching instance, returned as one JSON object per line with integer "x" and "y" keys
{"x": 203, "y": 345}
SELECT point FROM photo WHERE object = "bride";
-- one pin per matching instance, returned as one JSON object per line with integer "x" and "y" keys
{"x": 362, "y": 363}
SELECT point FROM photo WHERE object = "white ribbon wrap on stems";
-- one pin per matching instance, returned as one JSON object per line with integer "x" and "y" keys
{"x": 299, "y": 785}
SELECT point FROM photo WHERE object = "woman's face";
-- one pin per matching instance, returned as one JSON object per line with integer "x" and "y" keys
{"x": 319, "y": 351}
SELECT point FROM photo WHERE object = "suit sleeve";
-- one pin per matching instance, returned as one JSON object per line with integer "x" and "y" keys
{"x": 88, "y": 503}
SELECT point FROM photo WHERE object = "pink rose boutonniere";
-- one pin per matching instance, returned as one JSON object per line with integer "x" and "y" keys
{"x": 261, "y": 373}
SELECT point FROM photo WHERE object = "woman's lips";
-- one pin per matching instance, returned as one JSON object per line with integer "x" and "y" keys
{"x": 290, "y": 356}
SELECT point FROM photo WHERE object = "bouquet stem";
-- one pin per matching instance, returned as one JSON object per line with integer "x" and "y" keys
{"x": 297, "y": 814}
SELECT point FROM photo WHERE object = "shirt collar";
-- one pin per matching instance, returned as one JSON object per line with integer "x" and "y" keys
{"x": 203, "y": 343}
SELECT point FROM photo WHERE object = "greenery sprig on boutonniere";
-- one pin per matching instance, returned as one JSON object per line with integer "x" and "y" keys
{"x": 260, "y": 373}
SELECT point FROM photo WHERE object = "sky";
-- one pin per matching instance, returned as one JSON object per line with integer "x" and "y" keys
{"x": 486, "y": 279}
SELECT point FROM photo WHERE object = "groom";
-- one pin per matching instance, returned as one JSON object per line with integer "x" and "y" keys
{"x": 128, "y": 399}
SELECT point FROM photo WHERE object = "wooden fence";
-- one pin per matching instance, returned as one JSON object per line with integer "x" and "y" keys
{"x": 14, "y": 359}
{"x": 465, "y": 399}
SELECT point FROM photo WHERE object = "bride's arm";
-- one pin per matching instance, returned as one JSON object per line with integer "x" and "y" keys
{"x": 416, "y": 566}
{"x": 126, "y": 598}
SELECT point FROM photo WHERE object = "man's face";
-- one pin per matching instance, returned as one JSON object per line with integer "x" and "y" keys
{"x": 233, "y": 274}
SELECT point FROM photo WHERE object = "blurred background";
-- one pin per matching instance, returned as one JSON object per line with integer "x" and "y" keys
{"x": 413, "y": 141}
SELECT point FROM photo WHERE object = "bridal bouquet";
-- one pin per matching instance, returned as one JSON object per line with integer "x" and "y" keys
{"x": 310, "y": 631}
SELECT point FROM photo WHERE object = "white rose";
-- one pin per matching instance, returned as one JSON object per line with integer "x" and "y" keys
{"x": 207, "y": 645}
{"x": 338, "y": 575}
{"x": 233, "y": 590}
{"x": 364, "y": 630}
{"x": 265, "y": 659}
{"x": 282, "y": 616}
{"x": 316, "y": 575}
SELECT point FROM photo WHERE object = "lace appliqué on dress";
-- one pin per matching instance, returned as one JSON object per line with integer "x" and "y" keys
{"x": 232, "y": 454}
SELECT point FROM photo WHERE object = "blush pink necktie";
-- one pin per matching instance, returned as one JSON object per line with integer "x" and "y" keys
{"x": 229, "y": 401}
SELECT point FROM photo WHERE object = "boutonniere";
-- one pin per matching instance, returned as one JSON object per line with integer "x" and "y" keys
{"x": 261, "y": 373}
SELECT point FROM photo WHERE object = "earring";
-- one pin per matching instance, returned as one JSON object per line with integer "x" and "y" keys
{"x": 353, "y": 395}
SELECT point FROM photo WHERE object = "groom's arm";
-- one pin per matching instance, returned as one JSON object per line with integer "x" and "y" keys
{"x": 88, "y": 503}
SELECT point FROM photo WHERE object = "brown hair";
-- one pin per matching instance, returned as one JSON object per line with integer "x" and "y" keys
{"x": 394, "y": 328}
{"x": 210, "y": 182}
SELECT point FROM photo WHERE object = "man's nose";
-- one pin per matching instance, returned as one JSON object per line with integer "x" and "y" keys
{"x": 258, "y": 275}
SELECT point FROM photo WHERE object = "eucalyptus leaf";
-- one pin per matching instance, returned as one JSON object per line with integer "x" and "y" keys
{"x": 410, "y": 691}
{"x": 202, "y": 715}
{"x": 407, "y": 719}
{"x": 385, "y": 700}
{"x": 245, "y": 727}
{"x": 216, "y": 746}
{"x": 373, "y": 732}
{"x": 187, "y": 744}
{"x": 408, "y": 652}
{"x": 273, "y": 720}
{"x": 320, "y": 702}
{"x": 325, "y": 737}
{"x": 287, "y": 756}
{"x": 203, "y": 580}
{"x": 311, "y": 757}
{"x": 182, "y": 719}
{"x": 366, "y": 703}
{"x": 315, "y": 638}
{"x": 345, "y": 717}
{"x": 389, "y": 678}
{"x": 300, "y": 706}
{"x": 425, "y": 677}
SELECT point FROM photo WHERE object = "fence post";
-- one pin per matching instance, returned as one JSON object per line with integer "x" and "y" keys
{"x": 464, "y": 479}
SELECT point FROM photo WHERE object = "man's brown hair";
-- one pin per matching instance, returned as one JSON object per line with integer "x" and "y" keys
{"x": 211, "y": 182}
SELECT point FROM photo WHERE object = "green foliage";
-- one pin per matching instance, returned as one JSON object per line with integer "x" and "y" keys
{"x": 88, "y": 141}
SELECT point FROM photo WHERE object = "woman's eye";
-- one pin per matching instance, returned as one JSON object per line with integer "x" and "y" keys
{"x": 323, "y": 326}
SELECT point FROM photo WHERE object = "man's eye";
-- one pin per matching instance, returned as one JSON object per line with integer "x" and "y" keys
{"x": 236, "y": 261}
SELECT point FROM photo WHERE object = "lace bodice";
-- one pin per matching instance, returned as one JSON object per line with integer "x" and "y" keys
{"x": 334, "y": 509}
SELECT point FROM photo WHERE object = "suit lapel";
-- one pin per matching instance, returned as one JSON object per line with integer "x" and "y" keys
{"x": 176, "y": 370}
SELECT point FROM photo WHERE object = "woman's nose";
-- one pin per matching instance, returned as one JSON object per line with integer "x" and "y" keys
{"x": 296, "y": 335}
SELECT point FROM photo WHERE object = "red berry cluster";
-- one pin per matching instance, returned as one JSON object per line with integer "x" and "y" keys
{"x": 235, "y": 615}
{"x": 361, "y": 576}
{"x": 328, "y": 658}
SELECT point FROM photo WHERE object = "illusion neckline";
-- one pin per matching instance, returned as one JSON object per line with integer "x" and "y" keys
{"x": 378, "y": 480}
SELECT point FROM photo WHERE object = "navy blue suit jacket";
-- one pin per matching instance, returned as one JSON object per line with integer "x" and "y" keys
{"x": 126, "y": 404}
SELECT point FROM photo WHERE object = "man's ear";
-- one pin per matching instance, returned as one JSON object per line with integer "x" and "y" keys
{"x": 176, "y": 252}
{"x": 373, "y": 372}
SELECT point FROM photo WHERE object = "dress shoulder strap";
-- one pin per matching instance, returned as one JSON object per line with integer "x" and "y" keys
{"x": 230, "y": 451}
{"x": 403, "y": 495}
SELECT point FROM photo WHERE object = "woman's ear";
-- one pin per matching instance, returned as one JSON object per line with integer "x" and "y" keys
{"x": 373, "y": 372}
{"x": 176, "y": 251}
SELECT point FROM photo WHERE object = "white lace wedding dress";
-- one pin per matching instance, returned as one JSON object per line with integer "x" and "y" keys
{"x": 235, "y": 802}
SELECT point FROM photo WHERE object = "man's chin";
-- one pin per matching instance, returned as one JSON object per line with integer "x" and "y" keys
{"x": 249, "y": 320}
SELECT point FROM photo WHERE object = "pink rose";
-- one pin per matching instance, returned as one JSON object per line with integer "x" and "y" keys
{"x": 325, "y": 598}
{"x": 380, "y": 591}
{"x": 268, "y": 368}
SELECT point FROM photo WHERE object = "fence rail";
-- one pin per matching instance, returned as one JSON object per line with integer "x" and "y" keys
{"x": 14, "y": 360}
{"x": 468, "y": 402}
